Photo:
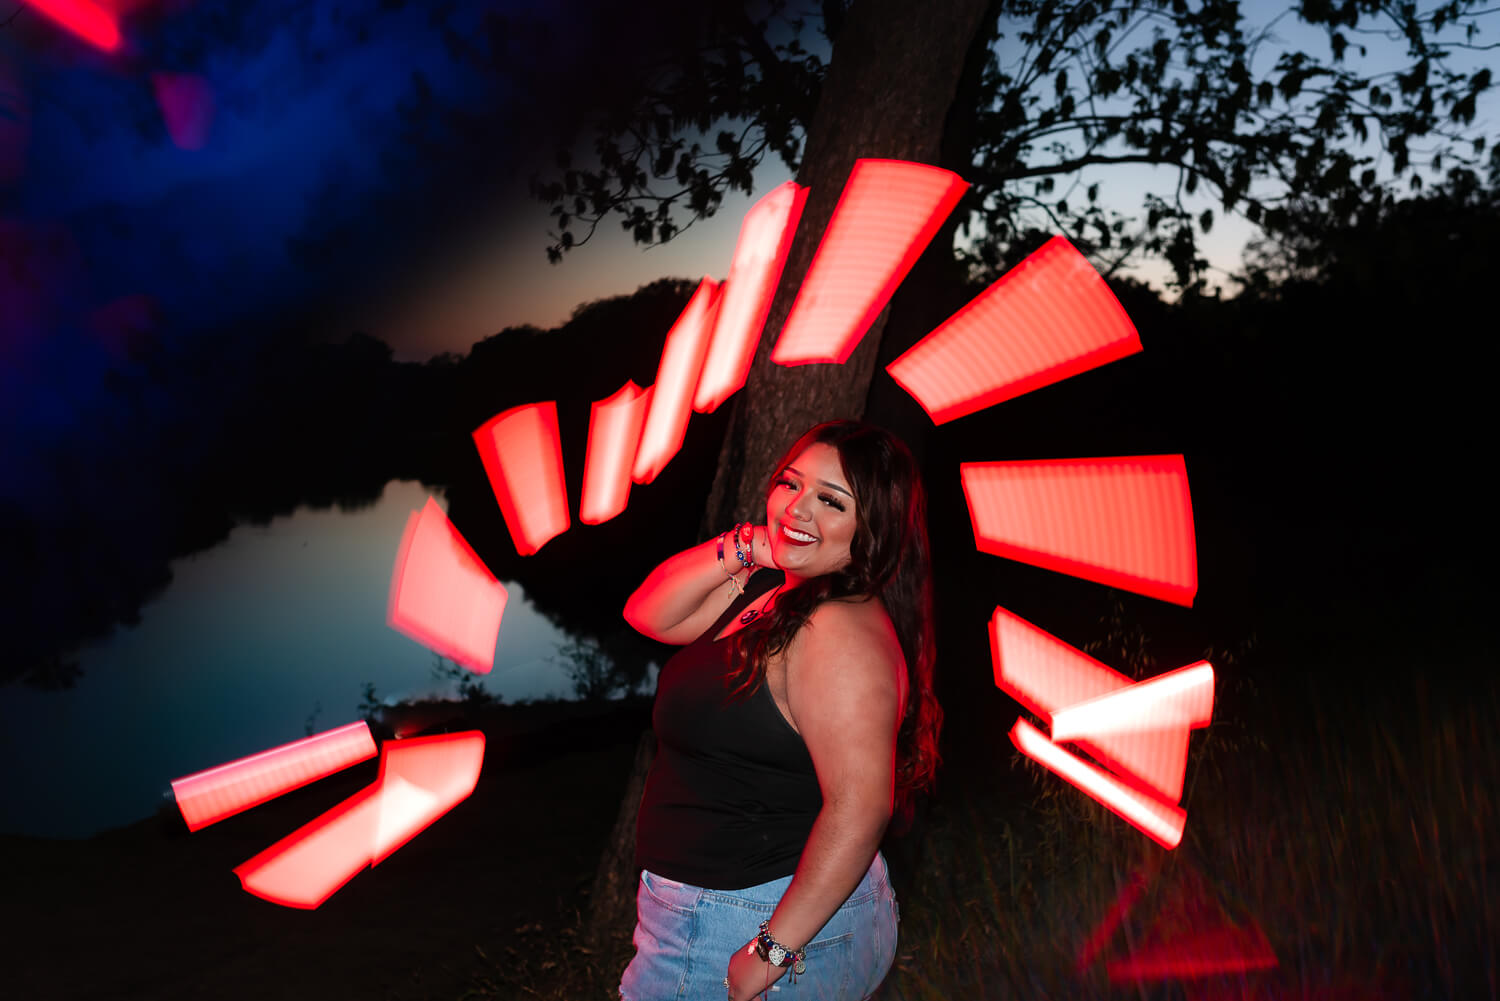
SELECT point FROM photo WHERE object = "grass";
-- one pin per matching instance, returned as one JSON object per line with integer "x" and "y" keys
{"x": 1350, "y": 832}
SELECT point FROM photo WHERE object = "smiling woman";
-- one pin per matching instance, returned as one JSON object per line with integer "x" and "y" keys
{"x": 798, "y": 715}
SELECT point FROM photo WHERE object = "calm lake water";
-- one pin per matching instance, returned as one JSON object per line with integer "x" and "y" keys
{"x": 277, "y": 628}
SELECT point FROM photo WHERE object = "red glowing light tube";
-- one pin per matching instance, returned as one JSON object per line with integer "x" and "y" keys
{"x": 1125, "y": 522}
{"x": 1042, "y": 672}
{"x": 442, "y": 595}
{"x": 759, "y": 257}
{"x": 1047, "y": 319}
{"x": 209, "y": 796}
{"x": 889, "y": 211}
{"x": 614, "y": 432}
{"x": 1143, "y": 729}
{"x": 1159, "y": 821}
{"x": 676, "y": 377}
{"x": 420, "y": 780}
{"x": 89, "y": 21}
{"x": 522, "y": 456}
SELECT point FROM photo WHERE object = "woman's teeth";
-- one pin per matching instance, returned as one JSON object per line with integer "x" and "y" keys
{"x": 797, "y": 536}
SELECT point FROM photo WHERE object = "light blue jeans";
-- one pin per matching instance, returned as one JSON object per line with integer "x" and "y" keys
{"x": 684, "y": 936}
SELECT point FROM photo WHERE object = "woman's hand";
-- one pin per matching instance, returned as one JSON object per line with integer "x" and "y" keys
{"x": 749, "y": 975}
{"x": 760, "y": 546}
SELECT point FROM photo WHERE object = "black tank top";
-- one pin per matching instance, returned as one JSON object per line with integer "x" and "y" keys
{"x": 732, "y": 794}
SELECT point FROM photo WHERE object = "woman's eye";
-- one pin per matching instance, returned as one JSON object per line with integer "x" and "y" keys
{"x": 831, "y": 501}
{"x": 785, "y": 482}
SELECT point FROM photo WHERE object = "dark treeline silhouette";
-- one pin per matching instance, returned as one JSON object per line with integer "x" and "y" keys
{"x": 1329, "y": 416}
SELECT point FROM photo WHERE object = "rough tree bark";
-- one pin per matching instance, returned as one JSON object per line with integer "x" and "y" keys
{"x": 890, "y": 84}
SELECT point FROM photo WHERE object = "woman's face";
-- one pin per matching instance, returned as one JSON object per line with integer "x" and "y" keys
{"x": 810, "y": 514}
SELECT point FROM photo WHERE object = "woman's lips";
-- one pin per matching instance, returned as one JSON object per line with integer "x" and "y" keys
{"x": 787, "y": 536}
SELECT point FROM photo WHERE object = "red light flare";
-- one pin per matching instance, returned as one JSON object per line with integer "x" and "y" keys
{"x": 522, "y": 456}
{"x": 614, "y": 432}
{"x": 676, "y": 377}
{"x": 211, "y": 795}
{"x": 1047, "y": 319}
{"x": 420, "y": 780}
{"x": 1143, "y": 729}
{"x": 187, "y": 107}
{"x": 1125, "y": 522}
{"x": 1159, "y": 821}
{"x": 759, "y": 257}
{"x": 88, "y": 21}
{"x": 889, "y": 211}
{"x": 442, "y": 595}
{"x": 1139, "y": 730}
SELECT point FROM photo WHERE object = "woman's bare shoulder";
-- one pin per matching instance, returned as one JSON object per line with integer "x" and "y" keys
{"x": 856, "y": 621}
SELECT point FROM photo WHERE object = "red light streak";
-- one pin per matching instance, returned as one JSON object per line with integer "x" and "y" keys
{"x": 1125, "y": 522}
{"x": 1204, "y": 953}
{"x": 88, "y": 21}
{"x": 442, "y": 595}
{"x": 1159, "y": 821}
{"x": 420, "y": 780}
{"x": 211, "y": 795}
{"x": 889, "y": 211}
{"x": 522, "y": 456}
{"x": 759, "y": 257}
{"x": 1047, "y": 319}
{"x": 1138, "y": 729}
{"x": 1143, "y": 729}
{"x": 676, "y": 377}
{"x": 614, "y": 431}
{"x": 187, "y": 107}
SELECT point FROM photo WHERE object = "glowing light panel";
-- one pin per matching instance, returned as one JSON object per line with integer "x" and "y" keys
{"x": 889, "y": 211}
{"x": 1143, "y": 729}
{"x": 1125, "y": 522}
{"x": 89, "y": 21}
{"x": 676, "y": 377}
{"x": 209, "y": 796}
{"x": 1139, "y": 730}
{"x": 759, "y": 257}
{"x": 1047, "y": 319}
{"x": 442, "y": 595}
{"x": 522, "y": 456}
{"x": 614, "y": 432}
{"x": 420, "y": 780}
{"x": 187, "y": 107}
{"x": 1159, "y": 821}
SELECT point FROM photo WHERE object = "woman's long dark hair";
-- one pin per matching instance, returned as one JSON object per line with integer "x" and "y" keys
{"x": 890, "y": 560}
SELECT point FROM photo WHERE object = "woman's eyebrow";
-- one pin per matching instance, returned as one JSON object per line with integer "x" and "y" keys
{"x": 831, "y": 486}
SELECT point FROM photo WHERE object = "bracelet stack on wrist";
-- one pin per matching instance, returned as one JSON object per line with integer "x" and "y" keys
{"x": 747, "y": 560}
{"x": 734, "y": 585}
{"x": 773, "y": 952}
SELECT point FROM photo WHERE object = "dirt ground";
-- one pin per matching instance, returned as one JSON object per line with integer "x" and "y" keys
{"x": 151, "y": 911}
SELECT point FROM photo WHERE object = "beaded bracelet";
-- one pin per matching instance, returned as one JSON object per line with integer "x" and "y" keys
{"x": 734, "y": 585}
{"x": 773, "y": 952}
{"x": 746, "y": 559}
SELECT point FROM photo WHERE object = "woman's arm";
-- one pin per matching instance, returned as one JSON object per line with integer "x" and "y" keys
{"x": 845, "y": 672}
{"x": 687, "y": 592}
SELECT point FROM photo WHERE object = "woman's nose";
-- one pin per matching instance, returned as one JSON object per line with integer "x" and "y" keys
{"x": 797, "y": 506}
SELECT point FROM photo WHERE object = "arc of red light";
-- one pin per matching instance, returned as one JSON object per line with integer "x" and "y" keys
{"x": 88, "y": 21}
{"x": 759, "y": 256}
{"x": 1160, "y": 821}
{"x": 1137, "y": 729}
{"x": 676, "y": 377}
{"x": 420, "y": 780}
{"x": 211, "y": 795}
{"x": 522, "y": 456}
{"x": 442, "y": 595}
{"x": 1047, "y": 319}
{"x": 614, "y": 433}
{"x": 887, "y": 214}
{"x": 1125, "y": 522}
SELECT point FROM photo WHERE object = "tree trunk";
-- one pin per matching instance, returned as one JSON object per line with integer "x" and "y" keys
{"x": 612, "y": 903}
{"x": 890, "y": 85}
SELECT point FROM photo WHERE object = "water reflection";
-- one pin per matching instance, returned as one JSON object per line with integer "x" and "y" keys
{"x": 277, "y": 627}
